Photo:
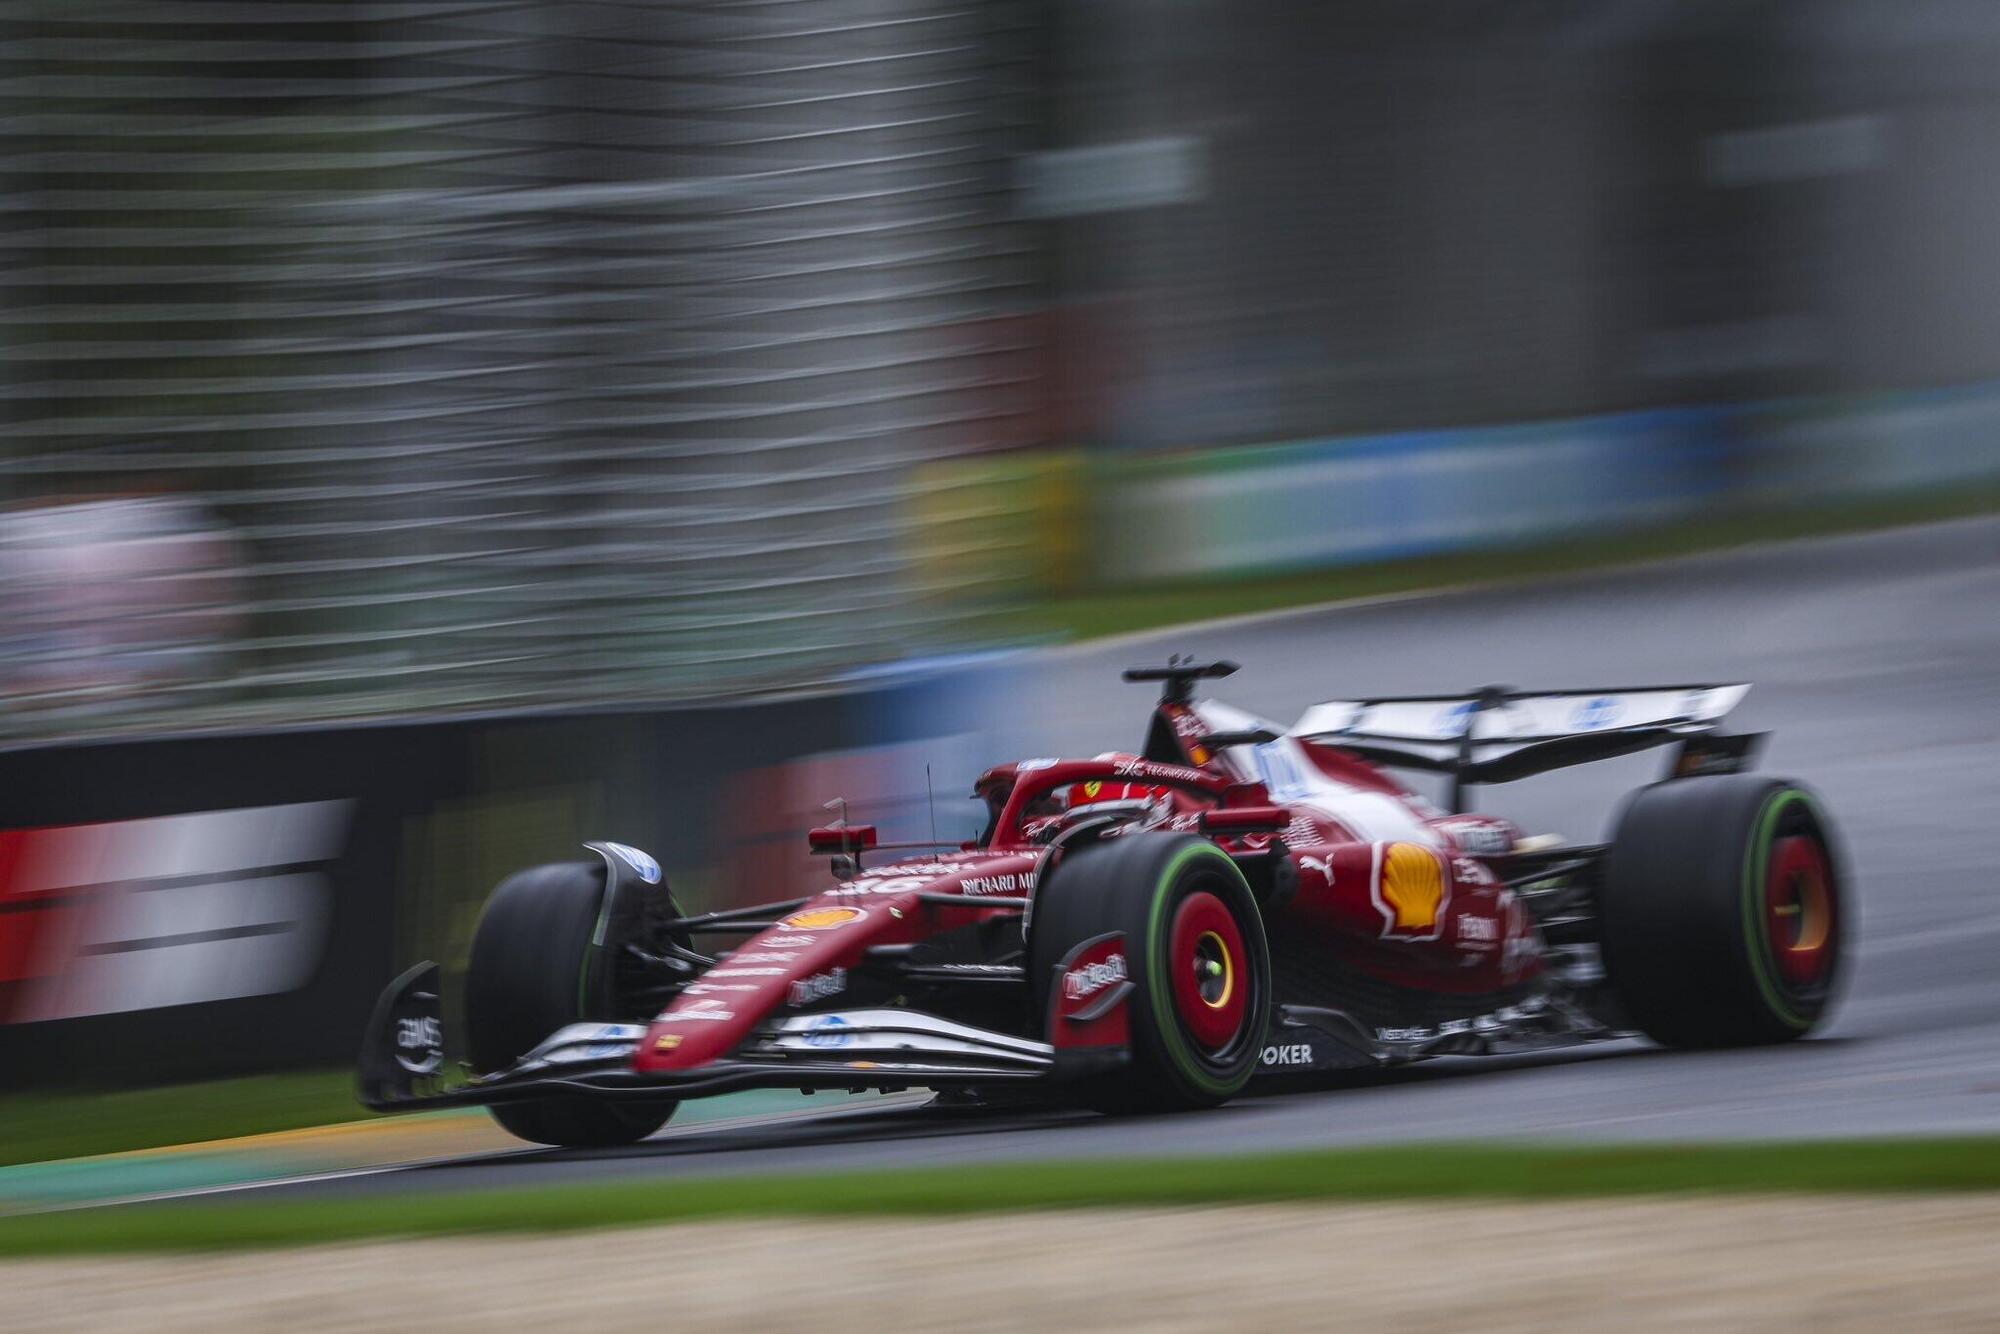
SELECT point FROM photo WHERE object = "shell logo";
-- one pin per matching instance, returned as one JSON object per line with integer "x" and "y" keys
{"x": 819, "y": 919}
{"x": 1411, "y": 890}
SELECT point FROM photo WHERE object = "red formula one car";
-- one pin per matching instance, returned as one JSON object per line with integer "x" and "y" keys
{"x": 1146, "y": 932}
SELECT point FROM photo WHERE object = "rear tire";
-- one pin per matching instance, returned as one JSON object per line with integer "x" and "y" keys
{"x": 1196, "y": 955}
{"x": 1722, "y": 912}
{"x": 524, "y": 982}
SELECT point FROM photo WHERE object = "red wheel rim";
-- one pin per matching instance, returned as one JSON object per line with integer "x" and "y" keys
{"x": 1210, "y": 971}
{"x": 1799, "y": 909}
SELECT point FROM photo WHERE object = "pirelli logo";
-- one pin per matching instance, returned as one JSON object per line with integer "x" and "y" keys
{"x": 170, "y": 910}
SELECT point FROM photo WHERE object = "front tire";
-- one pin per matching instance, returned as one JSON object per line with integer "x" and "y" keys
{"x": 1196, "y": 955}
{"x": 1722, "y": 911}
{"x": 525, "y": 981}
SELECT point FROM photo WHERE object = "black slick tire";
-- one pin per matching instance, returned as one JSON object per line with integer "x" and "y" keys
{"x": 525, "y": 980}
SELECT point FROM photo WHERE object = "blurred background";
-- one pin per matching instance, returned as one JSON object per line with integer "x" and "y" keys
{"x": 434, "y": 432}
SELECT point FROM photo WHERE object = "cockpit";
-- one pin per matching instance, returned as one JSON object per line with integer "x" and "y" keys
{"x": 1031, "y": 802}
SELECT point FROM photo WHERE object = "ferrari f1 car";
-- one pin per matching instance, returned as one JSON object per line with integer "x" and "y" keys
{"x": 1151, "y": 931}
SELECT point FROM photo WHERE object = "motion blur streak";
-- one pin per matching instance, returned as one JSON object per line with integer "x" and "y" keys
{"x": 169, "y": 911}
{"x": 408, "y": 356}
{"x": 495, "y": 354}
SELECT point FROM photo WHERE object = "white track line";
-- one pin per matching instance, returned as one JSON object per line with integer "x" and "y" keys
{"x": 193, "y": 1191}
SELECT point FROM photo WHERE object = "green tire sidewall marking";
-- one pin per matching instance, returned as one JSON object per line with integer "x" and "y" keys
{"x": 1756, "y": 900}
{"x": 1160, "y": 986}
{"x": 591, "y": 946}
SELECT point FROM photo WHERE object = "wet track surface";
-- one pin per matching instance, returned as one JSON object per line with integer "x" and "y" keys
{"x": 1877, "y": 666}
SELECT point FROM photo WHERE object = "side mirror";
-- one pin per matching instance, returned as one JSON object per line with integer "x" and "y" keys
{"x": 841, "y": 838}
{"x": 1245, "y": 819}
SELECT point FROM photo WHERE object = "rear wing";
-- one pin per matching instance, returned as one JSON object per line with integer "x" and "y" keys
{"x": 1496, "y": 735}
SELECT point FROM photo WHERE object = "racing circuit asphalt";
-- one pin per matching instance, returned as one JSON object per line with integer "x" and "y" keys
{"x": 1876, "y": 660}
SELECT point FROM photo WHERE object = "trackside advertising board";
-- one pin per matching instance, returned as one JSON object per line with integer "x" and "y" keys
{"x": 204, "y": 906}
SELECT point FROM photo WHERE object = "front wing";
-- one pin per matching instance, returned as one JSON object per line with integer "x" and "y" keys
{"x": 402, "y": 1065}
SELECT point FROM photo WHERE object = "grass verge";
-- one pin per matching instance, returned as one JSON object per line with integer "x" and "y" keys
{"x": 72, "y": 1124}
{"x": 1442, "y": 1171}
{"x": 1151, "y": 607}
